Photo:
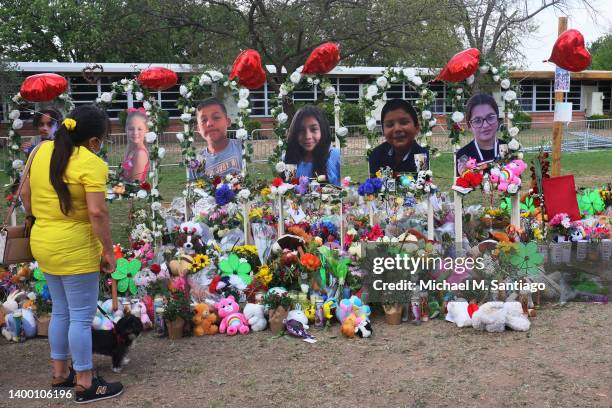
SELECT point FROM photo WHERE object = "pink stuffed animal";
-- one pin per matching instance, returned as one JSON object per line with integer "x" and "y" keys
{"x": 232, "y": 320}
{"x": 508, "y": 175}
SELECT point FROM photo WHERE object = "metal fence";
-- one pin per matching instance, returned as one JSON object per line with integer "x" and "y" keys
{"x": 577, "y": 136}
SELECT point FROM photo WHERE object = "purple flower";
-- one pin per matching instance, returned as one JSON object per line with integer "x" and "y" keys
{"x": 224, "y": 194}
{"x": 302, "y": 186}
{"x": 194, "y": 164}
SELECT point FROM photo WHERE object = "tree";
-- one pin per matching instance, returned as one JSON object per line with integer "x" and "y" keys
{"x": 383, "y": 32}
{"x": 496, "y": 27}
{"x": 83, "y": 31}
{"x": 601, "y": 52}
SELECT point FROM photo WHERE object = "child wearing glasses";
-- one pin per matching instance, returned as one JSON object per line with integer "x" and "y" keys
{"x": 482, "y": 117}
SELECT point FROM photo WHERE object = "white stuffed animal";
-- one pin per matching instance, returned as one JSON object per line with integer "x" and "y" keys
{"x": 255, "y": 315}
{"x": 490, "y": 317}
{"x": 457, "y": 312}
{"x": 515, "y": 318}
{"x": 495, "y": 316}
{"x": 297, "y": 314}
{"x": 11, "y": 304}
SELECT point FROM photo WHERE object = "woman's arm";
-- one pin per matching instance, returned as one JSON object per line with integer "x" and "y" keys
{"x": 98, "y": 216}
{"x": 26, "y": 196}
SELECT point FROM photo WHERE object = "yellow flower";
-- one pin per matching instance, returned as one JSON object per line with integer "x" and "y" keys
{"x": 200, "y": 262}
{"x": 264, "y": 275}
{"x": 504, "y": 248}
{"x": 69, "y": 124}
{"x": 379, "y": 174}
{"x": 265, "y": 192}
{"x": 199, "y": 183}
{"x": 537, "y": 233}
{"x": 246, "y": 250}
{"x": 256, "y": 213}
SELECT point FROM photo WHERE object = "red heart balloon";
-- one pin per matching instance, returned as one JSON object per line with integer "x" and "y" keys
{"x": 570, "y": 53}
{"x": 43, "y": 87}
{"x": 472, "y": 307}
{"x": 322, "y": 59}
{"x": 247, "y": 67}
{"x": 157, "y": 78}
{"x": 460, "y": 66}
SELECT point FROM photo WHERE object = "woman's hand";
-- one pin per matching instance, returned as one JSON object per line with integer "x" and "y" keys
{"x": 108, "y": 263}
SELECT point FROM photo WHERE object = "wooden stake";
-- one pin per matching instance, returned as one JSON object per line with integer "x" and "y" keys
{"x": 337, "y": 119}
{"x": 245, "y": 221}
{"x": 458, "y": 220}
{"x": 115, "y": 303}
{"x": 558, "y": 126}
{"x": 341, "y": 226}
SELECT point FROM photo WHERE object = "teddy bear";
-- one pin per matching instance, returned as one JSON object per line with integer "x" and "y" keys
{"x": 204, "y": 320}
{"x": 190, "y": 237}
{"x": 495, "y": 316}
{"x": 181, "y": 266}
{"x": 348, "y": 326}
{"x": 255, "y": 314}
{"x": 232, "y": 320}
{"x": 508, "y": 178}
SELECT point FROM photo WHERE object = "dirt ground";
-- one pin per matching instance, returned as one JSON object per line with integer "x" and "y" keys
{"x": 565, "y": 360}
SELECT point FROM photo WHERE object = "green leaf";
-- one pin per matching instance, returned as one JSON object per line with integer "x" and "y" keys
{"x": 132, "y": 286}
{"x": 243, "y": 268}
{"x": 122, "y": 285}
{"x": 39, "y": 286}
{"x": 119, "y": 274}
{"x": 225, "y": 267}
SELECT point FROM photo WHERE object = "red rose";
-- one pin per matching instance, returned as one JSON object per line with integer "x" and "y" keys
{"x": 216, "y": 181}
{"x": 462, "y": 182}
{"x": 9, "y": 197}
{"x": 295, "y": 181}
{"x": 155, "y": 268}
{"x": 277, "y": 182}
{"x": 145, "y": 186}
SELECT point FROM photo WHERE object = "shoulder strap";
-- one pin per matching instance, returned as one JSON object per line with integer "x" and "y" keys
{"x": 26, "y": 174}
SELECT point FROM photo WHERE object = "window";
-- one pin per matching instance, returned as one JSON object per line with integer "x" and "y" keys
{"x": 543, "y": 96}
{"x": 606, "y": 88}
{"x": 347, "y": 87}
{"x": 573, "y": 95}
{"x": 439, "y": 105}
{"x": 526, "y": 98}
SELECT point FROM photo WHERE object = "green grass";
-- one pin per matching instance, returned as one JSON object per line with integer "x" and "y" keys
{"x": 591, "y": 169}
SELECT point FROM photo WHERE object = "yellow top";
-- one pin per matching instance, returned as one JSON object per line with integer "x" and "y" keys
{"x": 65, "y": 245}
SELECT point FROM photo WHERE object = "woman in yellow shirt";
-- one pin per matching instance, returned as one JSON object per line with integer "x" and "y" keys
{"x": 71, "y": 241}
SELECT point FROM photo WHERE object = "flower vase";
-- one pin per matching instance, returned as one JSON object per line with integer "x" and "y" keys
{"x": 175, "y": 328}
{"x": 393, "y": 314}
{"x": 605, "y": 249}
{"x": 42, "y": 325}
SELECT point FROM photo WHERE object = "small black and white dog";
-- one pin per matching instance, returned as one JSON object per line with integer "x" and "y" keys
{"x": 117, "y": 342}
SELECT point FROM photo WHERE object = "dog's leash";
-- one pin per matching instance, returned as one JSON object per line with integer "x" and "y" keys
{"x": 119, "y": 338}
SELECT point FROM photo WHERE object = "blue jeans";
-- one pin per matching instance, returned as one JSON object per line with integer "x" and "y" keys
{"x": 75, "y": 299}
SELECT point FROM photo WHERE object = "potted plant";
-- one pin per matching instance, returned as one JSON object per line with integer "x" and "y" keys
{"x": 393, "y": 313}
{"x": 278, "y": 305}
{"x": 177, "y": 312}
{"x": 43, "y": 311}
